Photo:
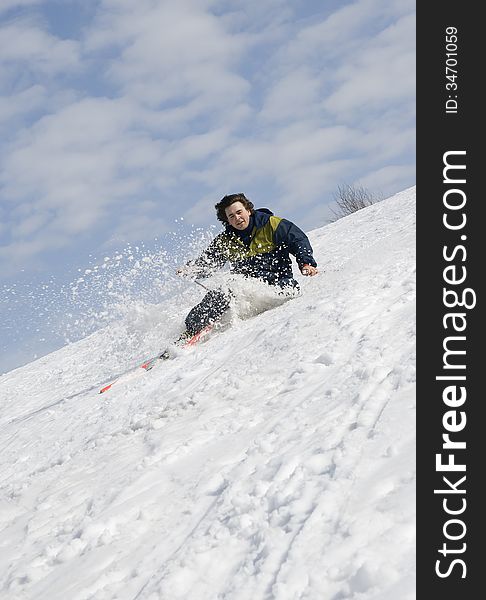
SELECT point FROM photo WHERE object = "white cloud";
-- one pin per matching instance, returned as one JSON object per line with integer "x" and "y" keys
{"x": 188, "y": 100}
{"x": 389, "y": 178}
{"x": 84, "y": 163}
{"x": 344, "y": 29}
{"x": 140, "y": 224}
{"x": 39, "y": 52}
{"x": 70, "y": 164}
{"x": 26, "y": 101}
{"x": 27, "y": 251}
{"x": 96, "y": 153}
{"x": 295, "y": 96}
{"x": 31, "y": 61}
{"x": 170, "y": 51}
{"x": 7, "y": 5}
{"x": 382, "y": 72}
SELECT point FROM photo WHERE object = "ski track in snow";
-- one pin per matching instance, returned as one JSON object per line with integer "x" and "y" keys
{"x": 274, "y": 461}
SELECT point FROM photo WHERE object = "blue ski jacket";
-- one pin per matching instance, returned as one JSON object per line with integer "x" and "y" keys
{"x": 261, "y": 250}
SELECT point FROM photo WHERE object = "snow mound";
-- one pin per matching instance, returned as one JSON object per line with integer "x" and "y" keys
{"x": 274, "y": 461}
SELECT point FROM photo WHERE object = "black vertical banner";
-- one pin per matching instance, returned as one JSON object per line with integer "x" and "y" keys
{"x": 451, "y": 241}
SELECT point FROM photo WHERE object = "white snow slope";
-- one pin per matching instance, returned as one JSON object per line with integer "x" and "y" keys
{"x": 274, "y": 461}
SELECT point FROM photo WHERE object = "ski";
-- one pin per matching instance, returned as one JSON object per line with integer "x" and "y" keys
{"x": 146, "y": 366}
{"x": 151, "y": 362}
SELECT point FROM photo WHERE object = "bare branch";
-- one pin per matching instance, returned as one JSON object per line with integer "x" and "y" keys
{"x": 349, "y": 199}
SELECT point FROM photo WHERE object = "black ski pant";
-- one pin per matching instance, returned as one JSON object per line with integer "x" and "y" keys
{"x": 209, "y": 310}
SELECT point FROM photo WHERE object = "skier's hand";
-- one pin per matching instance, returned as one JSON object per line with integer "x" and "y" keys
{"x": 308, "y": 270}
{"x": 185, "y": 271}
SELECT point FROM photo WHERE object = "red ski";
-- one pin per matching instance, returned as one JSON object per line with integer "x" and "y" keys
{"x": 165, "y": 355}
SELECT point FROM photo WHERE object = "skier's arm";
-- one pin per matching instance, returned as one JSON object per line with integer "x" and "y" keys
{"x": 203, "y": 266}
{"x": 289, "y": 235}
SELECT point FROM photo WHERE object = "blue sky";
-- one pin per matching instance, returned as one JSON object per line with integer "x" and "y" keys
{"x": 118, "y": 117}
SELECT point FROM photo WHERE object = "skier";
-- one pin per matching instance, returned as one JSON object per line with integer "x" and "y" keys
{"x": 256, "y": 244}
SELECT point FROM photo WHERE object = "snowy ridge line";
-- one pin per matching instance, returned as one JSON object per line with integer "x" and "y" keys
{"x": 331, "y": 266}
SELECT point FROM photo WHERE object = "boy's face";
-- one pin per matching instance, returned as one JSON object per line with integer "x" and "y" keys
{"x": 238, "y": 216}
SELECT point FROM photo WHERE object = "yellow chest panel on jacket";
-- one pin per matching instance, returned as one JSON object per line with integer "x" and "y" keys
{"x": 262, "y": 242}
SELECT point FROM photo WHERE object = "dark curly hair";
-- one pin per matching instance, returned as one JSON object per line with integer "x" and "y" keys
{"x": 228, "y": 201}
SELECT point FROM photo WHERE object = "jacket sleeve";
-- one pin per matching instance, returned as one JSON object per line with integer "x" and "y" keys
{"x": 289, "y": 235}
{"x": 210, "y": 260}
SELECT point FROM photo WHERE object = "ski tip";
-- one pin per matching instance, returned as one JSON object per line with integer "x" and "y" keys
{"x": 105, "y": 389}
